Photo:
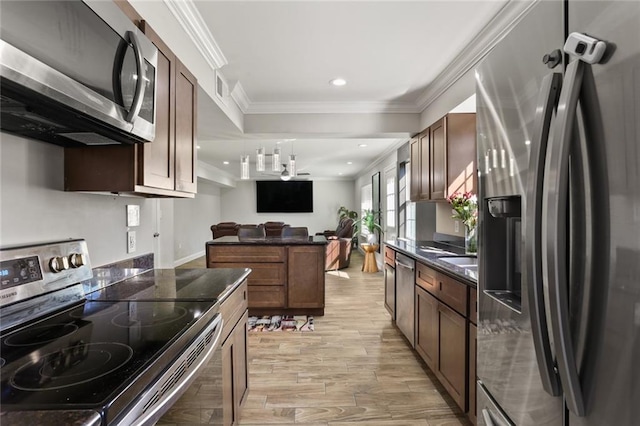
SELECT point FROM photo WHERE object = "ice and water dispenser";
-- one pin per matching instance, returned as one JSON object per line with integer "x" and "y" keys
{"x": 501, "y": 249}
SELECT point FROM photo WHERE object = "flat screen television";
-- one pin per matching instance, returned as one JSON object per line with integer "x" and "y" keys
{"x": 278, "y": 196}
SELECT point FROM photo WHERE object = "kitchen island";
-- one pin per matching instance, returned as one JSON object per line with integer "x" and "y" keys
{"x": 287, "y": 273}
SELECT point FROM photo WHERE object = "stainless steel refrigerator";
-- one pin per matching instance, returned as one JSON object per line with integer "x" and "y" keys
{"x": 558, "y": 113}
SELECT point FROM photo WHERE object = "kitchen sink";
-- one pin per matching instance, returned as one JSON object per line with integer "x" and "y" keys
{"x": 467, "y": 262}
{"x": 434, "y": 250}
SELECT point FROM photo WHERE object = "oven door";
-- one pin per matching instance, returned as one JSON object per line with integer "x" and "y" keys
{"x": 75, "y": 68}
{"x": 202, "y": 357}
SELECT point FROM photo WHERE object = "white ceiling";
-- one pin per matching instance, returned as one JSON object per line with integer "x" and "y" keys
{"x": 281, "y": 55}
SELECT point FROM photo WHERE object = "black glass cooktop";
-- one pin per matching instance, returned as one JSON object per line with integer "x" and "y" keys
{"x": 95, "y": 352}
{"x": 172, "y": 284}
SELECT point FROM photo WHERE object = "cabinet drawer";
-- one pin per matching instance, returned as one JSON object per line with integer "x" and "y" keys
{"x": 255, "y": 254}
{"x": 261, "y": 273}
{"x": 427, "y": 278}
{"x": 266, "y": 296}
{"x": 233, "y": 308}
{"x": 453, "y": 293}
{"x": 473, "y": 305}
{"x": 390, "y": 256}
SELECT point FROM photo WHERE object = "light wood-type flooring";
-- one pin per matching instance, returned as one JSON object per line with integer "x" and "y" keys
{"x": 355, "y": 368}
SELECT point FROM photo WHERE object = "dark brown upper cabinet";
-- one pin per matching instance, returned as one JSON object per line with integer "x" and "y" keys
{"x": 443, "y": 158}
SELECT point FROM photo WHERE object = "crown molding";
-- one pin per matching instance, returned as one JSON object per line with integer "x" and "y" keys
{"x": 331, "y": 108}
{"x": 192, "y": 23}
{"x": 489, "y": 36}
{"x": 240, "y": 97}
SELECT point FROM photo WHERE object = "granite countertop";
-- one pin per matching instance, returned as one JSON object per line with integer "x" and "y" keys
{"x": 431, "y": 259}
{"x": 271, "y": 241}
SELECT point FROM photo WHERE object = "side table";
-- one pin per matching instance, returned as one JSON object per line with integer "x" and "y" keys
{"x": 370, "y": 264}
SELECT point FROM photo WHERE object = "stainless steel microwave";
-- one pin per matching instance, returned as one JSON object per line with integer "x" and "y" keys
{"x": 75, "y": 72}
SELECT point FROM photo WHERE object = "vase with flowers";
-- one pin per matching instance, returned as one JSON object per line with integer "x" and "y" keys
{"x": 465, "y": 208}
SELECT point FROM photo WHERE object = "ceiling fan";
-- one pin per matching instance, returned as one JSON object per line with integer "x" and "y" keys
{"x": 285, "y": 175}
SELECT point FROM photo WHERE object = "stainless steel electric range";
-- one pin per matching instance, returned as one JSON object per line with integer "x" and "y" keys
{"x": 119, "y": 355}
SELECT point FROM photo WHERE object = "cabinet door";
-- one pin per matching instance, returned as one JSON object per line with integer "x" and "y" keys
{"x": 472, "y": 372}
{"x": 427, "y": 339}
{"x": 158, "y": 156}
{"x": 414, "y": 183}
{"x": 438, "y": 163}
{"x": 305, "y": 278}
{"x": 452, "y": 359}
{"x": 462, "y": 164}
{"x": 425, "y": 162}
{"x": 228, "y": 409}
{"x": 185, "y": 130}
{"x": 235, "y": 382}
{"x": 240, "y": 373}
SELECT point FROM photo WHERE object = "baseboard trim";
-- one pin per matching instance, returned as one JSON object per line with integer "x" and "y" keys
{"x": 189, "y": 258}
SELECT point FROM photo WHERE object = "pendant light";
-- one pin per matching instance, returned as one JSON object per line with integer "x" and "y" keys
{"x": 244, "y": 167}
{"x": 292, "y": 163}
{"x": 260, "y": 159}
{"x": 275, "y": 165}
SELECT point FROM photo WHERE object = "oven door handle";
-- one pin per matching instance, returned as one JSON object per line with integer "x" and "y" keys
{"x": 156, "y": 400}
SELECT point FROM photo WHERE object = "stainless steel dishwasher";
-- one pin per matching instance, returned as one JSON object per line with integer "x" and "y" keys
{"x": 405, "y": 299}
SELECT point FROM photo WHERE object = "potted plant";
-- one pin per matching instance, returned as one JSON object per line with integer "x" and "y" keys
{"x": 464, "y": 207}
{"x": 345, "y": 212}
{"x": 370, "y": 222}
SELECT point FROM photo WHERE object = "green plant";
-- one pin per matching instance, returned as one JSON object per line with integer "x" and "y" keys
{"x": 345, "y": 212}
{"x": 370, "y": 221}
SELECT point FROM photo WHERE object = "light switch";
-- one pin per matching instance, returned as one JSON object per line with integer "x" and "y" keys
{"x": 133, "y": 215}
{"x": 131, "y": 241}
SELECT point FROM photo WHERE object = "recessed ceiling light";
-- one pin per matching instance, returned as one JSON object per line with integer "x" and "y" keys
{"x": 340, "y": 173}
{"x": 362, "y": 145}
{"x": 338, "y": 81}
{"x": 198, "y": 146}
{"x": 527, "y": 142}
{"x": 225, "y": 162}
{"x": 349, "y": 162}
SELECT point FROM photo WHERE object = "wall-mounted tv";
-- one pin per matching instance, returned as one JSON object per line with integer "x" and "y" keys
{"x": 279, "y": 196}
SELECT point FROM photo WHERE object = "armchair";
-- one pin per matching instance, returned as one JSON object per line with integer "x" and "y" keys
{"x": 338, "y": 254}
{"x": 344, "y": 229}
{"x": 273, "y": 229}
{"x": 224, "y": 228}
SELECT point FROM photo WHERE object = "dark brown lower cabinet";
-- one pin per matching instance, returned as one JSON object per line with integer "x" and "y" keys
{"x": 452, "y": 357}
{"x": 473, "y": 344}
{"x": 234, "y": 371}
{"x": 427, "y": 327}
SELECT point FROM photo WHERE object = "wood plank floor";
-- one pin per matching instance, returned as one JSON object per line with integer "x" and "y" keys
{"x": 354, "y": 368}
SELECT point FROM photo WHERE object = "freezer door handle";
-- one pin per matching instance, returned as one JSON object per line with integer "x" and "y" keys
{"x": 555, "y": 202}
{"x": 547, "y": 99}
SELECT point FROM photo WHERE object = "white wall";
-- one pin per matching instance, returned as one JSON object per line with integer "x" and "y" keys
{"x": 34, "y": 207}
{"x": 193, "y": 219}
{"x": 239, "y": 205}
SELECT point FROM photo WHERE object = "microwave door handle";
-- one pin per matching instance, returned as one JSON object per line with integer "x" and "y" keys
{"x": 556, "y": 197}
{"x": 546, "y": 103}
{"x": 140, "y": 85}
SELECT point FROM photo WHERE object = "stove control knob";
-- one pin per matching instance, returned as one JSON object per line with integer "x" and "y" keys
{"x": 58, "y": 264}
{"x": 77, "y": 260}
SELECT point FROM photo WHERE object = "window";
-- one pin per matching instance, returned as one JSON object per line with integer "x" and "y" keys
{"x": 406, "y": 208}
{"x": 366, "y": 203}
{"x": 391, "y": 201}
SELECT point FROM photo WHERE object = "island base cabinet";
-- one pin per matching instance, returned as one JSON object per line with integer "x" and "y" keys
{"x": 472, "y": 373}
{"x": 235, "y": 376}
{"x": 305, "y": 281}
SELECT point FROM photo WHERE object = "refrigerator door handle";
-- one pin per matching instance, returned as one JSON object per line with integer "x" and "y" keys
{"x": 547, "y": 99}
{"x": 488, "y": 421}
{"x": 555, "y": 199}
